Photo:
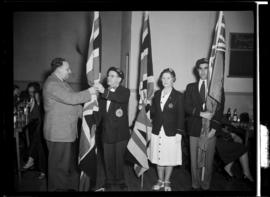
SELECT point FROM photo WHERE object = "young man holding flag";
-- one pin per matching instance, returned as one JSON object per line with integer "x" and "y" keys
{"x": 195, "y": 107}
{"x": 204, "y": 106}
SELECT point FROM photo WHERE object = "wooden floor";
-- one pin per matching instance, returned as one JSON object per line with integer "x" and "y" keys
{"x": 181, "y": 181}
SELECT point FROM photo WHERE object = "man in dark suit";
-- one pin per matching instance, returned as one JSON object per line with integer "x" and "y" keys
{"x": 115, "y": 128}
{"x": 62, "y": 110}
{"x": 195, "y": 107}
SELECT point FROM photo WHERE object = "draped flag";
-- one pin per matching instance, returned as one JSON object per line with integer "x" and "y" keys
{"x": 215, "y": 81}
{"x": 140, "y": 137}
{"x": 87, "y": 148}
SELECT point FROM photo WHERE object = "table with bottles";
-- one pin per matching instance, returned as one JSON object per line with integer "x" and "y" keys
{"x": 21, "y": 119}
{"x": 248, "y": 127}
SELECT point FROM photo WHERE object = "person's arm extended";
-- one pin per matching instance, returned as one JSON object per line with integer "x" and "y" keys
{"x": 57, "y": 92}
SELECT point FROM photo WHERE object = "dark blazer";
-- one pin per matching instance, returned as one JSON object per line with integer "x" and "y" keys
{"x": 193, "y": 107}
{"x": 115, "y": 127}
{"x": 172, "y": 116}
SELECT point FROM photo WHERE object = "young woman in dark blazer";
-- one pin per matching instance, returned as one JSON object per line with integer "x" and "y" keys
{"x": 167, "y": 113}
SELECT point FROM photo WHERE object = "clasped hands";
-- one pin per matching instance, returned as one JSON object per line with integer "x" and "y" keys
{"x": 97, "y": 87}
{"x": 208, "y": 115}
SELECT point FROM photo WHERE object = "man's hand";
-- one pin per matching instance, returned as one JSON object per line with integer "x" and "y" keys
{"x": 208, "y": 115}
{"x": 92, "y": 90}
{"x": 211, "y": 133}
{"x": 99, "y": 87}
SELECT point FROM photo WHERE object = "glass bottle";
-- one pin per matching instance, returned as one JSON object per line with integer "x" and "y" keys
{"x": 229, "y": 114}
{"x": 235, "y": 117}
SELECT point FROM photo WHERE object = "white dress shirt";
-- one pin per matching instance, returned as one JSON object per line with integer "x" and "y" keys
{"x": 109, "y": 101}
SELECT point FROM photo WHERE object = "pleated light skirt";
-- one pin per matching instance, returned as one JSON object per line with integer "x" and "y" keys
{"x": 165, "y": 150}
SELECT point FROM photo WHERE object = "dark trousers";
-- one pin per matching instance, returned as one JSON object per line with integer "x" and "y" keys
{"x": 196, "y": 173}
{"x": 114, "y": 162}
{"x": 62, "y": 166}
{"x": 37, "y": 145}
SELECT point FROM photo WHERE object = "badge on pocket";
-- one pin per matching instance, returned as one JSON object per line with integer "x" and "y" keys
{"x": 119, "y": 113}
{"x": 170, "y": 105}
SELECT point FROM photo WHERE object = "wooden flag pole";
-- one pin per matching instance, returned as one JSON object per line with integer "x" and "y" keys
{"x": 203, "y": 169}
{"x": 142, "y": 182}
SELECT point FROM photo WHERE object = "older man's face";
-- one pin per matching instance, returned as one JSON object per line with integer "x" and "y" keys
{"x": 65, "y": 70}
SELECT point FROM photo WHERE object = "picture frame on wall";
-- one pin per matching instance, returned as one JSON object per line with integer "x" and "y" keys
{"x": 242, "y": 55}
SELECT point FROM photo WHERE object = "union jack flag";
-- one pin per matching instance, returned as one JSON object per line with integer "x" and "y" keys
{"x": 87, "y": 148}
{"x": 140, "y": 137}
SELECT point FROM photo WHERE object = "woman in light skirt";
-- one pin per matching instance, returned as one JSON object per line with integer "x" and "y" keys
{"x": 167, "y": 113}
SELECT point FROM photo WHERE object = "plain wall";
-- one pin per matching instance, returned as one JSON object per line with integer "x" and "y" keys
{"x": 41, "y": 36}
{"x": 179, "y": 39}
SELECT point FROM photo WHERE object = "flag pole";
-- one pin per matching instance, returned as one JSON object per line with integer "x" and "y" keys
{"x": 203, "y": 170}
{"x": 142, "y": 181}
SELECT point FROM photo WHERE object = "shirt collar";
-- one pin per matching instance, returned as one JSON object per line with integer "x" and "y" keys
{"x": 58, "y": 77}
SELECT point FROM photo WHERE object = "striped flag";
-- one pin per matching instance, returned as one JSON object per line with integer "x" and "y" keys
{"x": 87, "y": 148}
{"x": 216, "y": 60}
{"x": 140, "y": 138}
{"x": 215, "y": 81}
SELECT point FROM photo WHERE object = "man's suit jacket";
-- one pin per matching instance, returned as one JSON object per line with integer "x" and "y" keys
{"x": 62, "y": 109}
{"x": 115, "y": 127}
{"x": 172, "y": 116}
{"x": 193, "y": 107}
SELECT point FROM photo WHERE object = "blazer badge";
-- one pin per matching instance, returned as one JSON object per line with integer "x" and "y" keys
{"x": 170, "y": 105}
{"x": 119, "y": 113}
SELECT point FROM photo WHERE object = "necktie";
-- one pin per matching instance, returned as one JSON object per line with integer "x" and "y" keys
{"x": 202, "y": 91}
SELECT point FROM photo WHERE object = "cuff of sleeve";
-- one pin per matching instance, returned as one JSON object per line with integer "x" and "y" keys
{"x": 180, "y": 131}
{"x": 106, "y": 94}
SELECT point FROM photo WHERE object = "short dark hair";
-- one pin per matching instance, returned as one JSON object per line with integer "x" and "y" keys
{"x": 15, "y": 87}
{"x": 201, "y": 61}
{"x": 35, "y": 85}
{"x": 170, "y": 71}
{"x": 119, "y": 72}
{"x": 57, "y": 62}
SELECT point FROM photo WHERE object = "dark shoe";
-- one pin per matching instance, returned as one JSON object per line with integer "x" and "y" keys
{"x": 206, "y": 190}
{"x": 41, "y": 176}
{"x": 248, "y": 180}
{"x": 123, "y": 187}
{"x": 195, "y": 189}
{"x": 227, "y": 176}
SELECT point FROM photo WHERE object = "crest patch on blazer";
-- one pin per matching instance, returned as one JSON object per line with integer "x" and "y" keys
{"x": 119, "y": 113}
{"x": 170, "y": 105}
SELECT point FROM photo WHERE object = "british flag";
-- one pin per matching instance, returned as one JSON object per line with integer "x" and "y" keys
{"x": 87, "y": 148}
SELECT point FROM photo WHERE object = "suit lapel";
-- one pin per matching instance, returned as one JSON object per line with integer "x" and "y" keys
{"x": 158, "y": 100}
{"x": 110, "y": 107}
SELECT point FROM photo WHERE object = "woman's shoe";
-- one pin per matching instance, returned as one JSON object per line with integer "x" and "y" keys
{"x": 159, "y": 185}
{"x": 227, "y": 176}
{"x": 167, "y": 186}
{"x": 248, "y": 180}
